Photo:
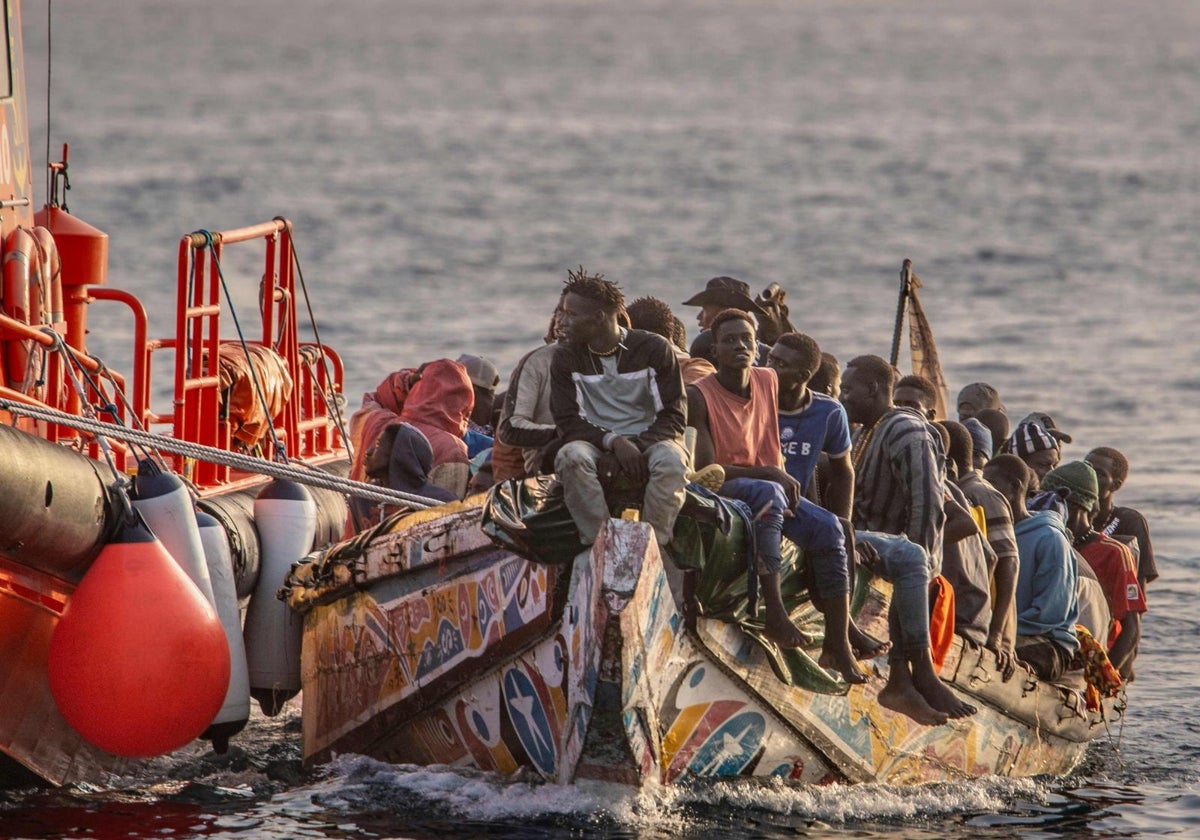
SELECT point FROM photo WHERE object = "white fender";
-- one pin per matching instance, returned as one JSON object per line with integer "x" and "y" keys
{"x": 285, "y": 517}
{"x": 164, "y": 502}
{"x": 236, "y": 710}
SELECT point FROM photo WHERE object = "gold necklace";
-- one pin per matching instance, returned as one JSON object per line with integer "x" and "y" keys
{"x": 606, "y": 353}
{"x": 860, "y": 445}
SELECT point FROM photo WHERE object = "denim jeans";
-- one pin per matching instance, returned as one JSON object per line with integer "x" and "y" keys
{"x": 907, "y": 566}
{"x": 813, "y": 529}
{"x": 767, "y": 502}
{"x": 819, "y": 535}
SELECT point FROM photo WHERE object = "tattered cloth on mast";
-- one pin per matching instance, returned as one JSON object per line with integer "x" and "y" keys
{"x": 924, "y": 350}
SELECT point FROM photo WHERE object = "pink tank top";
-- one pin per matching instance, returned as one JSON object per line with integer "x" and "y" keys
{"x": 745, "y": 432}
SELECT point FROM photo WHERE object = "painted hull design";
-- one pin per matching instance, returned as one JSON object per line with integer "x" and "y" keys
{"x": 452, "y": 658}
{"x": 596, "y": 676}
{"x": 766, "y": 727}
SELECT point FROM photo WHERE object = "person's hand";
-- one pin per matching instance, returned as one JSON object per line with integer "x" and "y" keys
{"x": 1006, "y": 660}
{"x": 791, "y": 487}
{"x": 631, "y": 459}
{"x": 868, "y": 557}
{"x": 607, "y": 466}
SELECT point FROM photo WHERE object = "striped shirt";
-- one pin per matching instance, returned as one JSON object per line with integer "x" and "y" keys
{"x": 997, "y": 515}
{"x": 900, "y": 480}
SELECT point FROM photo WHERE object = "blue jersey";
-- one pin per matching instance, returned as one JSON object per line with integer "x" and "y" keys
{"x": 821, "y": 426}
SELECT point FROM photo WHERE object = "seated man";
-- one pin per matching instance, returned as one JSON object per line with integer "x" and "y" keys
{"x": 484, "y": 379}
{"x": 439, "y": 404}
{"x": 1112, "y": 468}
{"x": 1035, "y": 446}
{"x": 998, "y": 424}
{"x": 400, "y": 459}
{"x": 967, "y": 559}
{"x": 981, "y": 444}
{"x": 436, "y": 398}
{"x": 654, "y": 315}
{"x": 734, "y": 412}
{"x": 998, "y": 531}
{"x": 526, "y": 421}
{"x": 811, "y": 423}
{"x": 814, "y": 436}
{"x": 1111, "y": 560}
{"x": 975, "y": 397}
{"x": 1047, "y": 578}
{"x": 617, "y": 392}
{"x": 899, "y": 509}
{"x": 722, "y": 293}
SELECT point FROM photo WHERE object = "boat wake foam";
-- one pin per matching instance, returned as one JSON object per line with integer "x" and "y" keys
{"x": 356, "y": 784}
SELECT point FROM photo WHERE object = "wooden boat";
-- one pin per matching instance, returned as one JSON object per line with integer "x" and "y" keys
{"x": 426, "y": 643}
{"x": 422, "y": 640}
{"x": 75, "y": 427}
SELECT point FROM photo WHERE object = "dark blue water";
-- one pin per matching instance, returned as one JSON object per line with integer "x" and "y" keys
{"x": 446, "y": 163}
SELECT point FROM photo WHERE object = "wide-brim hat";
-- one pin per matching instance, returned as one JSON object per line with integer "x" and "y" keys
{"x": 727, "y": 292}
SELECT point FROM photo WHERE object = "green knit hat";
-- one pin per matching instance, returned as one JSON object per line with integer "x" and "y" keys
{"x": 1078, "y": 478}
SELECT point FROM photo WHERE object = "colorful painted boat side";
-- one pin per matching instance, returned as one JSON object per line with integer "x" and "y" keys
{"x": 610, "y": 643}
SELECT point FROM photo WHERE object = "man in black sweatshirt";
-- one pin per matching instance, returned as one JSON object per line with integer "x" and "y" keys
{"x": 616, "y": 391}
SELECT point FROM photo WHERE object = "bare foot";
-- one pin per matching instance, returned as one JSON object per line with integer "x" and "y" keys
{"x": 940, "y": 697}
{"x": 864, "y": 646}
{"x": 841, "y": 659}
{"x": 906, "y": 700}
{"x": 785, "y": 634}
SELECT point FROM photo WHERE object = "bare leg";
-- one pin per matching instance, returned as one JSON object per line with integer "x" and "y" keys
{"x": 780, "y": 629}
{"x": 836, "y": 651}
{"x": 900, "y": 695}
{"x": 864, "y": 646}
{"x": 935, "y": 692}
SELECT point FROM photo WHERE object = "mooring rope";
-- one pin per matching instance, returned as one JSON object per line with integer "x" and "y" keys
{"x": 302, "y": 475}
{"x": 331, "y": 405}
{"x": 280, "y": 453}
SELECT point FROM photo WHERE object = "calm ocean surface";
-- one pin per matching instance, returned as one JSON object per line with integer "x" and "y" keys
{"x": 445, "y": 163}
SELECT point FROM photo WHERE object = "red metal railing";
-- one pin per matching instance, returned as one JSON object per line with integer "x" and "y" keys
{"x": 304, "y": 428}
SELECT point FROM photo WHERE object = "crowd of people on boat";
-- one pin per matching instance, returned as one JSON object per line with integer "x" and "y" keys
{"x": 852, "y": 464}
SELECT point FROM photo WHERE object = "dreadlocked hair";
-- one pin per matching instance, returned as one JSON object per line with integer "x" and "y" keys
{"x": 678, "y": 333}
{"x": 604, "y": 293}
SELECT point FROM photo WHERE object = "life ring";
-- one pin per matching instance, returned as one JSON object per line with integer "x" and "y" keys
{"x": 20, "y": 254}
{"x": 49, "y": 276}
{"x": 31, "y": 293}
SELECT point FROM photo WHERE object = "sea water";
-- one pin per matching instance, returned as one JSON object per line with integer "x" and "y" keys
{"x": 445, "y": 163}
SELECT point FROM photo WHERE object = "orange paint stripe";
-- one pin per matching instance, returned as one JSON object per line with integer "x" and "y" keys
{"x": 681, "y": 729}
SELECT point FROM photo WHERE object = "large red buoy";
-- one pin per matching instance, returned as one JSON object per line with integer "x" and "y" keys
{"x": 139, "y": 663}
